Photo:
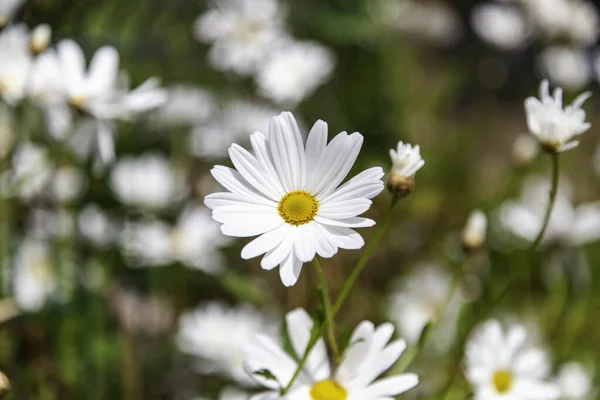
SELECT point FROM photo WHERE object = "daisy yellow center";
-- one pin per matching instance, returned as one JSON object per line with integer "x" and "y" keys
{"x": 502, "y": 381}
{"x": 298, "y": 207}
{"x": 328, "y": 390}
{"x": 78, "y": 101}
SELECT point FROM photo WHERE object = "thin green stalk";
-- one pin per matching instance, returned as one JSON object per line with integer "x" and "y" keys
{"x": 316, "y": 334}
{"x": 553, "y": 192}
{"x": 330, "y": 323}
{"x": 365, "y": 257}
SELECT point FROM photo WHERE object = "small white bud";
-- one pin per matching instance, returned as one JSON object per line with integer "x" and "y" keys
{"x": 406, "y": 161}
{"x": 40, "y": 38}
{"x": 525, "y": 149}
{"x": 474, "y": 232}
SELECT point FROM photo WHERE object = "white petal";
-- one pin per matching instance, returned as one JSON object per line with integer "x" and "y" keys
{"x": 299, "y": 326}
{"x": 354, "y": 222}
{"x": 219, "y": 199}
{"x": 265, "y": 242}
{"x": 248, "y": 166}
{"x": 344, "y": 238}
{"x": 278, "y": 255}
{"x": 391, "y": 386}
{"x": 242, "y": 225}
{"x": 304, "y": 245}
{"x": 315, "y": 146}
{"x": 344, "y": 209}
{"x": 367, "y": 185}
{"x": 287, "y": 150}
{"x": 104, "y": 69}
{"x": 290, "y": 269}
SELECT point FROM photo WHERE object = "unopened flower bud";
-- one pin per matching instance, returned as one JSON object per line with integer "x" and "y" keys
{"x": 474, "y": 232}
{"x": 4, "y": 386}
{"x": 406, "y": 161}
{"x": 40, "y": 38}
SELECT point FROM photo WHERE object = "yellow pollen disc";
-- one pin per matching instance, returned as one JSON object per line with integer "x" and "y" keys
{"x": 502, "y": 381}
{"x": 298, "y": 207}
{"x": 78, "y": 101}
{"x": 328, "y": 390}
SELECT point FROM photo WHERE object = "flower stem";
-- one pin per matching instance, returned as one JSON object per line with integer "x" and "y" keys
{"x": 553, "y": 192}
{"x": 329, "y": 321}
{"x": 364, "y": 258}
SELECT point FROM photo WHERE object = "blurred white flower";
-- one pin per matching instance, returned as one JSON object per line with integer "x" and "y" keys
{"x": 575, "y": 382}
{"x": 67, "y": 184}
{"x": 426, "y": 295}
{"x": 233, "y": 394}
{"x": 474, "y": 233}
{"x": 217, "y": 335}
{"x": 31, "y": 170}
{"x": 525, "y": 148}
{"x": 147, "y": 181}
{"x": 369, "y": 354}
{"x": 583, "y": 22}
{"x": 48, "y": 223}
{"x": 16, "y": 63}
{"x": 295, "y": 71}
{"x": 433, "y": 21}
{"x": 500, "y": 25}
{"x": 186, "y": 105}
{"x": 146, "y": 314}
{"x": 40, "y": 38}
{"x": 566, "y": 66}
{"x": 569, "y": 226}
{"x": 96, "y": 225}
{"x": 501, "y": 364}
{"x": 406, "y": 161}
{"x": 287, "y": 193}
{"x": 553, "y": 126}
{"x": 8, "y": 9}
{"x": 194, "y": 241}
{"x": 242, "y": 33}
{"x": 235, "y": 123}
{"x": 34, "y": 276}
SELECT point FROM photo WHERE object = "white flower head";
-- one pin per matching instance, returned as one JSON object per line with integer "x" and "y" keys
{"x": 34, "y": 277}
{"x": 575, "y": 382}
{"x": 553, "y": 125}
{"x": 294, "y": 71}
{"x": 217, "y": 335}
{"x": 289, "y": 193}
{"x": 242, "y": 33}
{"x": 406, "y": 161}
{"x": 31, "y": 170}
{"x": 96, "y": 226}
{"x": 501, "y": 365}
{"x": 40, "y": 38}
{"x": 474, "y": 232}
{"x": 147, "y": 181}
{"x": 16, "y": 63}
{"x": 369, "y": 354}
{"x": 566, "y": 66}
{"x": 500, "y": 25}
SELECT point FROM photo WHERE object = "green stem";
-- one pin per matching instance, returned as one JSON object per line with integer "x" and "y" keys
{"x": 316, "y": 334}
{"x": 365, "y": 257}
{"x": 553, "y": 192}
{"x": 329, "y": 321}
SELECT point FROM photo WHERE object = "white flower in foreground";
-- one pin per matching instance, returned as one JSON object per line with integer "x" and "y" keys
{"x": 194, "y": 241}
{"x": 369, "y": 354}
{"x": 500, "y": 25}
{"x": 8, "y": 8}
{"x": 34, "y": 277}
{"x": 566, "y": 66}
{"x": 501, "y": 365}
{"x": 567, "y": 225}
{"x": 295, "y": 71}
{"x": 232, "y": 124}
{"x": 16, "y": 63}
{"x": 575, "y": 382}
{"x": 288, "y": 193}
{"x": 426, "y": 295}
{"x": 147, "y": 181}
{"x": 217, "y": 335}
{"x": 242, "y": 33}
{"x": 554, "y": 126}
{"x": 406, "y": 161}
{"x": 474, "y": 233}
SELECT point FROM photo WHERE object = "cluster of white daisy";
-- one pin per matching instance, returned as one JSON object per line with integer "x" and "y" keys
{"x": 249, "y": 38}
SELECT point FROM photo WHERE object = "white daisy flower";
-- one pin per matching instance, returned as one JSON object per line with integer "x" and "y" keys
{"x": 194, "y": 241}
{"x": 68, "y": 183}
{"x": 426, "y": 295}
{"x": 575, "y": 382}
{"x": 287, "y": 192}
{"x": 34, "y": 277}
{"x": 217, "y": 335}
{"x": 369, "y": 355}
{"x": 554, "y": 126}
{"x": 406, "y": 161}
{"x": 16, "y": 63}
{"x": 566, "y": 66}
{"x": 8, "y": 9}
{"x": 295, "y": 71}
{"x": 501, "y": 365}
{"x": 242, "y": 33}
{"x": 474, "y": 232}
{"x": 500, "y": 25}
{"x": 147, "y": 181}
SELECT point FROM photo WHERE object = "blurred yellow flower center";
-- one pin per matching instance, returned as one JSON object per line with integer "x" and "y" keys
{"x": 328, "y": 390}
{"x": 298, "y": 207}
{"x": 502, "y": 381}
{"x": 78, "y": 101}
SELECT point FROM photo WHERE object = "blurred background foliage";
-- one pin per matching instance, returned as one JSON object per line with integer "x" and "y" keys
{"x": 461, "y": 102}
